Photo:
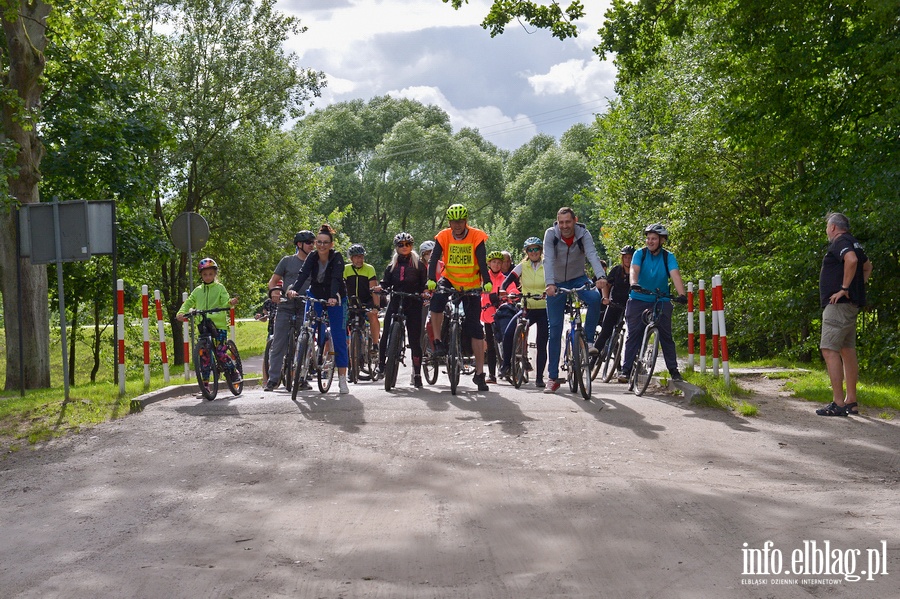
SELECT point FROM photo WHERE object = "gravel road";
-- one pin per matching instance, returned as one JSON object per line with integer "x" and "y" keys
{"x": 422, "y": 494}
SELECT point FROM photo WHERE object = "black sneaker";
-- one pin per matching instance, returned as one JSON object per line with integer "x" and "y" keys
{"x": 539, "y": 383}
{"x": 440, "y": 348}
{"x": 478, "y": 379}
{"x": 417, "y": 381}
{"x": 623, "y": 377}
{"x": 305, "y": 386}
{"x": 676, "y": 376}
{"x": 269, "y": 388}
{"x": 504, "y": 372}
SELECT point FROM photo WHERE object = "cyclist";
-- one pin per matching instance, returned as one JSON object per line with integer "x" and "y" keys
{"x": 489, "y": 304}
{"x": 360, "y": 279}
{"x": 324, "y": 268}
{"x": 208, "y": 295}
{"x": 406, "y": 273}
{"x": 614, "y": 298}
{"x": 266, "y": 312}
{"x": 651, "y": 269}
{"x": 284, "y": 277}
{"x": 528, "y": 275}
{"x": 567, "y": 245}
{"x": 465, "y": 268}
{"x": 425, "y": 257}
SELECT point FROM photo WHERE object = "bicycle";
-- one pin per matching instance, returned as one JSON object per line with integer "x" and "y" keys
{"x": 205, "y": 349}
{"x": 577, "y": 360}
{"x": 361, "y": 361}
{"x": 645, "y": 362}
{"x": 287, "y": 364}
{"x": 518, "y": 363}
{"x": 315, "y": 352}
{"x": 456, "y": 360}
{"x": 610, "y": 356}
{"x": 395, "y": 351}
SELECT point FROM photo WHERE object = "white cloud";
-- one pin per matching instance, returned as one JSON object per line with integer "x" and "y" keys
{"x": 498, "y": 128}
{"x": 586, "y": 79}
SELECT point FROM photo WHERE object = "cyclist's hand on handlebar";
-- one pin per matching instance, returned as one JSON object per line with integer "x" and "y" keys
{"x": 181, "y": 318}
{"x": 290, "y": 293}
{"x": 233, "y": 301}
{"x": 431, "y": 285}
{"x": 488, "y": 287}
{"x": 681, "y": 299}
{"x": 551, "y": 290}
{"x": 635, "y": 287}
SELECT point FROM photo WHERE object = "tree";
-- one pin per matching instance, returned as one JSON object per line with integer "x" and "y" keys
{"x": 22, "y": 63}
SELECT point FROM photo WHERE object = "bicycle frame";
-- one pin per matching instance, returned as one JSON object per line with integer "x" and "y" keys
{"x": 395, "y": 353}
{"x": 576, "y": 357}
{"x": 518, "y": 371}
{"x": 312, "y": 347}
{"x": 455, "y": 355}
{"x": 645, "y": 362}
{"x": 205, "y": 350}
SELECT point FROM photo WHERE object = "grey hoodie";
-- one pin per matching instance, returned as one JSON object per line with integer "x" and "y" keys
{"x": 566, "y": 262}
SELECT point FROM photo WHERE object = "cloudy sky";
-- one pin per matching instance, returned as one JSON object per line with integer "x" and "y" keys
{"x": 510, "y": 87}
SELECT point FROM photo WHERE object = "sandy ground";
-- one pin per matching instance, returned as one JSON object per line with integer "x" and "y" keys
{"x": 422, "y": 494}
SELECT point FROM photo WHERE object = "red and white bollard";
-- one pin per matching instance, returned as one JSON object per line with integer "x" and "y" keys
{"x": 715, "y": 330}
{"x": 145, "y": 326}
{"x": 690, "y": 325}
{"x": 120, "y": 325}
{"x": 186, "y": 336}
{"x": 231, "y": 326}
{"x": 719, "y": 314}
{"x": 161, "y": 329}
{"x": 702, "y": 308}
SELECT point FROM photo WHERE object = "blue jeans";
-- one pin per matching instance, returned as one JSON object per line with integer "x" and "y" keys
{"x": 338, "y": 327}
{"x": 556, "y": 308}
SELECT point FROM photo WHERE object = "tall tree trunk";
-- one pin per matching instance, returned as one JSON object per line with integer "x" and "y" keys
{"x": 23, "y": 65}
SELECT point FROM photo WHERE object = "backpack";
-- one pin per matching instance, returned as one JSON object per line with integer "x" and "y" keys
{"x": 580, "y": 241}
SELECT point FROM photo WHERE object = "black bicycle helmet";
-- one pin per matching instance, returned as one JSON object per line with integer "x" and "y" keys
{"x": 628, "y": 250}
{"x": 305, "y": 236}
{"x": 357, "y": 249}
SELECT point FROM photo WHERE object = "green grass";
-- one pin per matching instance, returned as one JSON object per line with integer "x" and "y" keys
{"x": 43, "y": 414}
{"x": 730, "y": 397}
{"x": 873, "y": 392}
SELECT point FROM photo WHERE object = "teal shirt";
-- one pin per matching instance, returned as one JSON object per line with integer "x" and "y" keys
{"x": 206, "y": 297}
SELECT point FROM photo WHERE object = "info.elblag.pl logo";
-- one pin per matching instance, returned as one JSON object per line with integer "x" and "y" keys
{"x": 813, "y": 559}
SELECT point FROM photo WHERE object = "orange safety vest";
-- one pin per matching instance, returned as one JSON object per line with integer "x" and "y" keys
{"x": 460, "y": 264}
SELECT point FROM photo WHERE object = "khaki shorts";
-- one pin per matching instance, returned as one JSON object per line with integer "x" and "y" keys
{"x": 839, "y": 326}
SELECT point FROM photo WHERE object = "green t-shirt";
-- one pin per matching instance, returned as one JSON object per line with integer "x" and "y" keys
{"x": 358, "y": 279}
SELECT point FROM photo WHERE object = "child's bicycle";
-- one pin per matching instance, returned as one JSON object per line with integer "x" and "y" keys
{"x": 210, "y": 361}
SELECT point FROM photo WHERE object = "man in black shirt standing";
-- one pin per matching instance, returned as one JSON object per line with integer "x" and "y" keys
{"x": 842, "y": 292}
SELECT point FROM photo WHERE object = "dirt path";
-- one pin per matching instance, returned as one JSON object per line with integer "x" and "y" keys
{"x": 423, "y": 494}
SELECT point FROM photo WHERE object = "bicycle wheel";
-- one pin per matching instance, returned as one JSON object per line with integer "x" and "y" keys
{"x": 569, "y": 363}
{"x": 454, "y": 358}
{"x": 326, "y": 363}
{"x": 355, "y": 355}
{"x": 649, "y": 352}
{"x": 394, "y": 353}
{"x": 235, "y": 378}
{"x": 265, "y": 365}
{"x": 289, "y": 363}
{"x": 204, "y": 356}
{"x": 430, "y": 364}
{"x": 519, "y": 358}
{"x": 301, "y": 363}
{"x": 613, "y": 355}
{"x": 583, "y": 366}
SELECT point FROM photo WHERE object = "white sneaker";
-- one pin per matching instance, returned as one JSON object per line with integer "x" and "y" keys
{"x": 343, "y": 389}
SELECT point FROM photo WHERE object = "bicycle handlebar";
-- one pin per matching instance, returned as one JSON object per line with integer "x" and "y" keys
{"x": 586, "y": 287}
{"x": 660, "y": 295}
{"x": 194, "y": 311}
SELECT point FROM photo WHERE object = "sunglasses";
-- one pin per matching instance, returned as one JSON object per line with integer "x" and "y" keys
{"x": 320, "y": 242}
{"x": 404, "y": 244}
{"x": 533, "y": 250}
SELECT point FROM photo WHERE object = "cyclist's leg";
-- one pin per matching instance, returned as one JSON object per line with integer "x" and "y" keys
{"x": 374, "y": 326}
{"x": 508, "y": 334}
{"x": 610, "y": 320}
{"x": 592, "y": 299}
{"x": 665, "y": 338}
{"x": 538, "y": 317}
{"x": 555, "y": 312}
{"x": 414, "y": 334}
{"x": 282, "y": 333}
{"x": 472, "y": 326}
{"x": 633, "y": 311}
{"x": 438, "y": 303}
{"x": 339, "y": 338}
{"x": 490, "y": 351}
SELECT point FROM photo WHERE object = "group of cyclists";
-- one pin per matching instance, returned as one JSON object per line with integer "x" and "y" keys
{"x": 457, "y": 259}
